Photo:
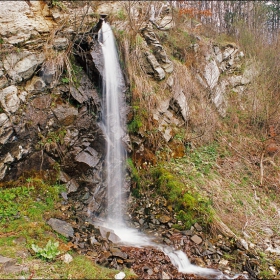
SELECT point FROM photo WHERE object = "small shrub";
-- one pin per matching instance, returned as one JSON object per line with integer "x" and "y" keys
{"x": 49, "y": 252}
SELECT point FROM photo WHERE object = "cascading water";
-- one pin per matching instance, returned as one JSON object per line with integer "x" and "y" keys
{"x": 113, "y": 127}
{"x": 113, "y": 124}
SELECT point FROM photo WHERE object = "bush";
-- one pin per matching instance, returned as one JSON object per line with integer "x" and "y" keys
{"x": 49, "y": 252}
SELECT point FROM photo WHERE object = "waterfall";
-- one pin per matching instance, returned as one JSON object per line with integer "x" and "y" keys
{"x": 113, "y": 124}
{"x": 113, "y": 127}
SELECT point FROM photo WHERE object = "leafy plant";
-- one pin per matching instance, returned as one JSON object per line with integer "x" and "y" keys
{"x": 49, "y": 252}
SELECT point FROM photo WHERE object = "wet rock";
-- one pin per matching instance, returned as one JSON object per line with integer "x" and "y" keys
{"x": 196, "y": 239}
{"x": 113, "y": 237}
{"x": 61, "y": 227}
{"x": 85, "y": 92}
{"x": 6, "y": 129}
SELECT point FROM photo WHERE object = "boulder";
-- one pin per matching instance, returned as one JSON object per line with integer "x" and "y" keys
{"x": 61, "y": 227}
{"x": 21, "y": 66}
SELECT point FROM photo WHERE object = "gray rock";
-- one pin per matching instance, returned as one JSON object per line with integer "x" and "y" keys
{"x": 187, "y": 232}
{"x": 72, "y": 186}
{"x": 196, "y": 239}
{"x": 113, "y": 237}
{"x": 6, "y": 129}
{"x": 4, "y": 261}
{"x": 88, "y": 156}
{"x": 9, "y": 99}
{"x": 65, "y": 114}
{"x": 93, "y": 240}
{"x": 60, "y": 43}
{"x": 160, "y": 54}
{"x": 116, "y": 252}
{"x": 19, "y": 22}
{"x": 8, "y": 265}
{"x": 61, "y": 227}
{"x": 180, "y": 101}
{"x": 3, "y": 82}
{"x": 211, "y": 73}
{"x": 63, "y": 177}
{"x": 197, "y": 227}
{"x": 35, "y": 85}
{"x": 158, "y": 71}
{"x": 21, "y": 66}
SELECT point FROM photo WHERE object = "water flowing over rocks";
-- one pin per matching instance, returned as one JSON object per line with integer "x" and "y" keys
{"x": 45, "y": 122}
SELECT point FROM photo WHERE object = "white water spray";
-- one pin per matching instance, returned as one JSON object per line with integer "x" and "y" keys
{"x": 115, "y": 158}
{"x": 113, "y": 124}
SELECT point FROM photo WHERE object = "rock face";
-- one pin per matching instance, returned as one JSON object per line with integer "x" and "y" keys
{"x": 44, "y": 120}
{"x": 18, "y": 23}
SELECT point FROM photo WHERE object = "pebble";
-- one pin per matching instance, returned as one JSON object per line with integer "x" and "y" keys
{"x": 196, "y": 239}
{"x": 120, "y": 275}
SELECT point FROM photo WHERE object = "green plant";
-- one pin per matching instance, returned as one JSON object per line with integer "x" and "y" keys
{"x": 121, "y": 15}
{"x": 59, "y": 4}
{"x": 189, "y": 206}
{"x": 65, "y": 80}
{"x": 9, "y": 199}
{"x": 49, "y": 252}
